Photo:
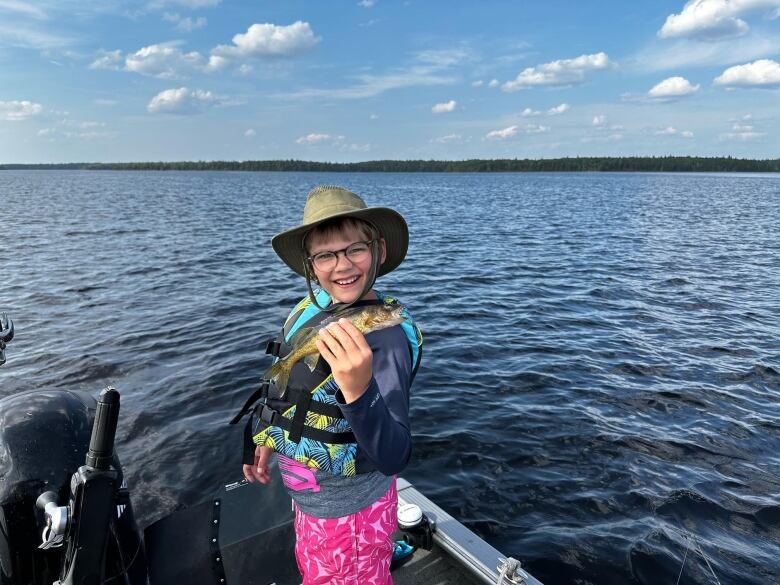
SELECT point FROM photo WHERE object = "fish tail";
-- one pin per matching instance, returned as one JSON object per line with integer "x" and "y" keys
{"x": 281, "y": 381}
{"x": 279, "y": 372}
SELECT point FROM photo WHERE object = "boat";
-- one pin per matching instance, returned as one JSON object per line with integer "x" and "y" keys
{"x": 67, "y": 517}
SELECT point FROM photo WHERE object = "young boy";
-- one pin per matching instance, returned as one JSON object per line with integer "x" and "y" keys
{"x": 342, "y": 430}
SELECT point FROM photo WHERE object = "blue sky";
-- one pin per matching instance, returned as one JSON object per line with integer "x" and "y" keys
{"x": 364, "y": 80}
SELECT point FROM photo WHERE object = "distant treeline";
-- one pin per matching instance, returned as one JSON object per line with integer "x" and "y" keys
{"x": 654, "y": 164}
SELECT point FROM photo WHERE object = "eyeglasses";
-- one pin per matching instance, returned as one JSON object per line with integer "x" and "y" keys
{"x": 355, "y": 253}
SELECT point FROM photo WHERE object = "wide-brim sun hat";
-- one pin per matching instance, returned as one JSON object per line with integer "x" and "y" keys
{"x": 330, "y": 202}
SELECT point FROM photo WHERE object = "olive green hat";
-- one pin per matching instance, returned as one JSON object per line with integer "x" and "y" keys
{"x": 328, "y": 202}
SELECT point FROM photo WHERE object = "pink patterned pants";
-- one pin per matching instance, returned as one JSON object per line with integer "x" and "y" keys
{"x": 351, "y": 550}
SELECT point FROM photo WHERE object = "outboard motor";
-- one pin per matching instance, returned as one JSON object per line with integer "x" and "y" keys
{"x": 66, "y": 517}
{"x": 82, "y": 532}
{"x": 6, "y": 335}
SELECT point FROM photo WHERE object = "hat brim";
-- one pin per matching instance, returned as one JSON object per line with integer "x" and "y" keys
{"x": 391, "y": 225}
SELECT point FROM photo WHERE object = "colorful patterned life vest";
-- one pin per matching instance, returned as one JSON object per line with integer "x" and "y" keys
{"x": 307, "y": 424}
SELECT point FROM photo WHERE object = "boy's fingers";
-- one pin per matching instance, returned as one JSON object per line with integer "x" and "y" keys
{"x": 327, "y": 339}
{"x": 354, "y": 334}
{"x": 342, "y": 336}
{"x": 325, "y": 351}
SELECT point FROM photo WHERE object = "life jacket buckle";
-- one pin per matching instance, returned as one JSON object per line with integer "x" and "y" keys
{"x": 267, "y": 414}
{"x": 272, "y": 347}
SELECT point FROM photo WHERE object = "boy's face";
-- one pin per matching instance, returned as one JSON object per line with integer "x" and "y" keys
{"x": 347, "y": 279}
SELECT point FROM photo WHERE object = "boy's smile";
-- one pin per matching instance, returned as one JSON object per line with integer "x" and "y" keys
{"x": 347, "y": 279}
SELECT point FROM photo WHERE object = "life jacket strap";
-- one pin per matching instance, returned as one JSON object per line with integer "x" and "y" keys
{"x": 331, "y": 410}
{"x": 261, "y": 392}
{"x": 272, "y": 347}
{"x": 272, "y": 417}
{"x": 299, "y": 418}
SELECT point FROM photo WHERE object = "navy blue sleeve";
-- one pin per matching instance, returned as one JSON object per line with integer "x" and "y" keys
{"x": 380, "y": 417}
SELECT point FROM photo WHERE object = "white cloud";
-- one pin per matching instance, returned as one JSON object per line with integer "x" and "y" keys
{"x": 494, "y": 83}
{"x": 269, "y": 40}
{"x": 685, "y": 53}
{"x": 426, "y": 72}
{"x": 186, "y": 24}
{"x": 23, "y": 8}
{"x": 535, "y": 129}
{"x": 443, "y": 58}
{"x": 366, "y": 3}
{"x": 741, "y": 132}
{"x": 477, "y": 83}
{"x": 21, "y": 36}
{"x": 554, "y": 111}
{"x": 614, "y": 137}
{"x": 186, "y": 3}
{"x": 250, "y": 133}
{"x": 354, "y": 147}
{"x": 318, "y": 139}
{"x": 217, "y": 63}
{"x": 557, "y": 110}
{"x": 17, "y": 111}
{"x": 444, "y": 107}
{"x": 373, "y": 117}
{"x": 108, "y": 60}
{"x": 502, "y": 134}
{"x": 68, "y": 128}
{"x": 558, "y": 73}
{"x": 165, "y": 61}
{"x": 672, "y": 131}
{"x": 600, "y": 121}
{"x": 181, "y": 101}
{"x": 448, "y": 139}
{"x": 712, "y": 19}
{"x": 761, "y": 73}
{"x": 672, "y": 87}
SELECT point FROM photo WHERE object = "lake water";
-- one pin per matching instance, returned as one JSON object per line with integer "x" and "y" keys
{"x": 600, "y": 392}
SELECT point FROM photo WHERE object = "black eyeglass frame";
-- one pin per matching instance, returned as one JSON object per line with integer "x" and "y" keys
{"x": 342, "y": 250}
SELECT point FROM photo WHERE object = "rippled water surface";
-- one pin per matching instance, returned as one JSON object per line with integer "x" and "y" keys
{"x": 600, "y": 394}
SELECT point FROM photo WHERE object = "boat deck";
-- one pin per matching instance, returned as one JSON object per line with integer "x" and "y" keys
{"x": 458, "y": 555}
{"x": 434, "y": 567}
{"x": 244, "y": 535}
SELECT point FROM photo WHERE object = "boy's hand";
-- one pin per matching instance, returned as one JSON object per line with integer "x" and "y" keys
{"x": 258, "y": 471}
{"x": 345, "y": 349}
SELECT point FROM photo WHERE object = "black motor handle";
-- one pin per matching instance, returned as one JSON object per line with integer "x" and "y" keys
{"x": 101, "y": 444}
{"x": 6, "y": 335}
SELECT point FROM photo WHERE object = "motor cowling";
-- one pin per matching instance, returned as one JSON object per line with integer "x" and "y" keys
{"x": 44, "y": 440}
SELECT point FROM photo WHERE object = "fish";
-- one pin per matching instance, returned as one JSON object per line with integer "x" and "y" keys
{"x": 365, "y": 319}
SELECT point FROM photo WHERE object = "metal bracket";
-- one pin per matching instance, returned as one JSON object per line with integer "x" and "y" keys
{"x": 216, "y": 555}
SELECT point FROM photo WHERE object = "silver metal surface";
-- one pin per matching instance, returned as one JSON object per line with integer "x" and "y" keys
{"x": 466, "y": 548}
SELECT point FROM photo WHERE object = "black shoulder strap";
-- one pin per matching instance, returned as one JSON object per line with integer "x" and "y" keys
{"x": 261, "y": 392}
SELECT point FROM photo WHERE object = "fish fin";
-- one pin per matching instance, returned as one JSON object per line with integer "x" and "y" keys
{"x": 280, "y": 375}
{"x": 311, "y": 360}
{"x": 273, "y": 371}
{"x": 281, "y": 381}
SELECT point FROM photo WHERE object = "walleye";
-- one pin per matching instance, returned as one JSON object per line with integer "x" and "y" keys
{"x": 365, "y": 319}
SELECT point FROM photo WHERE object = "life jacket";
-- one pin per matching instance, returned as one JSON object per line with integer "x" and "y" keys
{"x": 306, "y": 424}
